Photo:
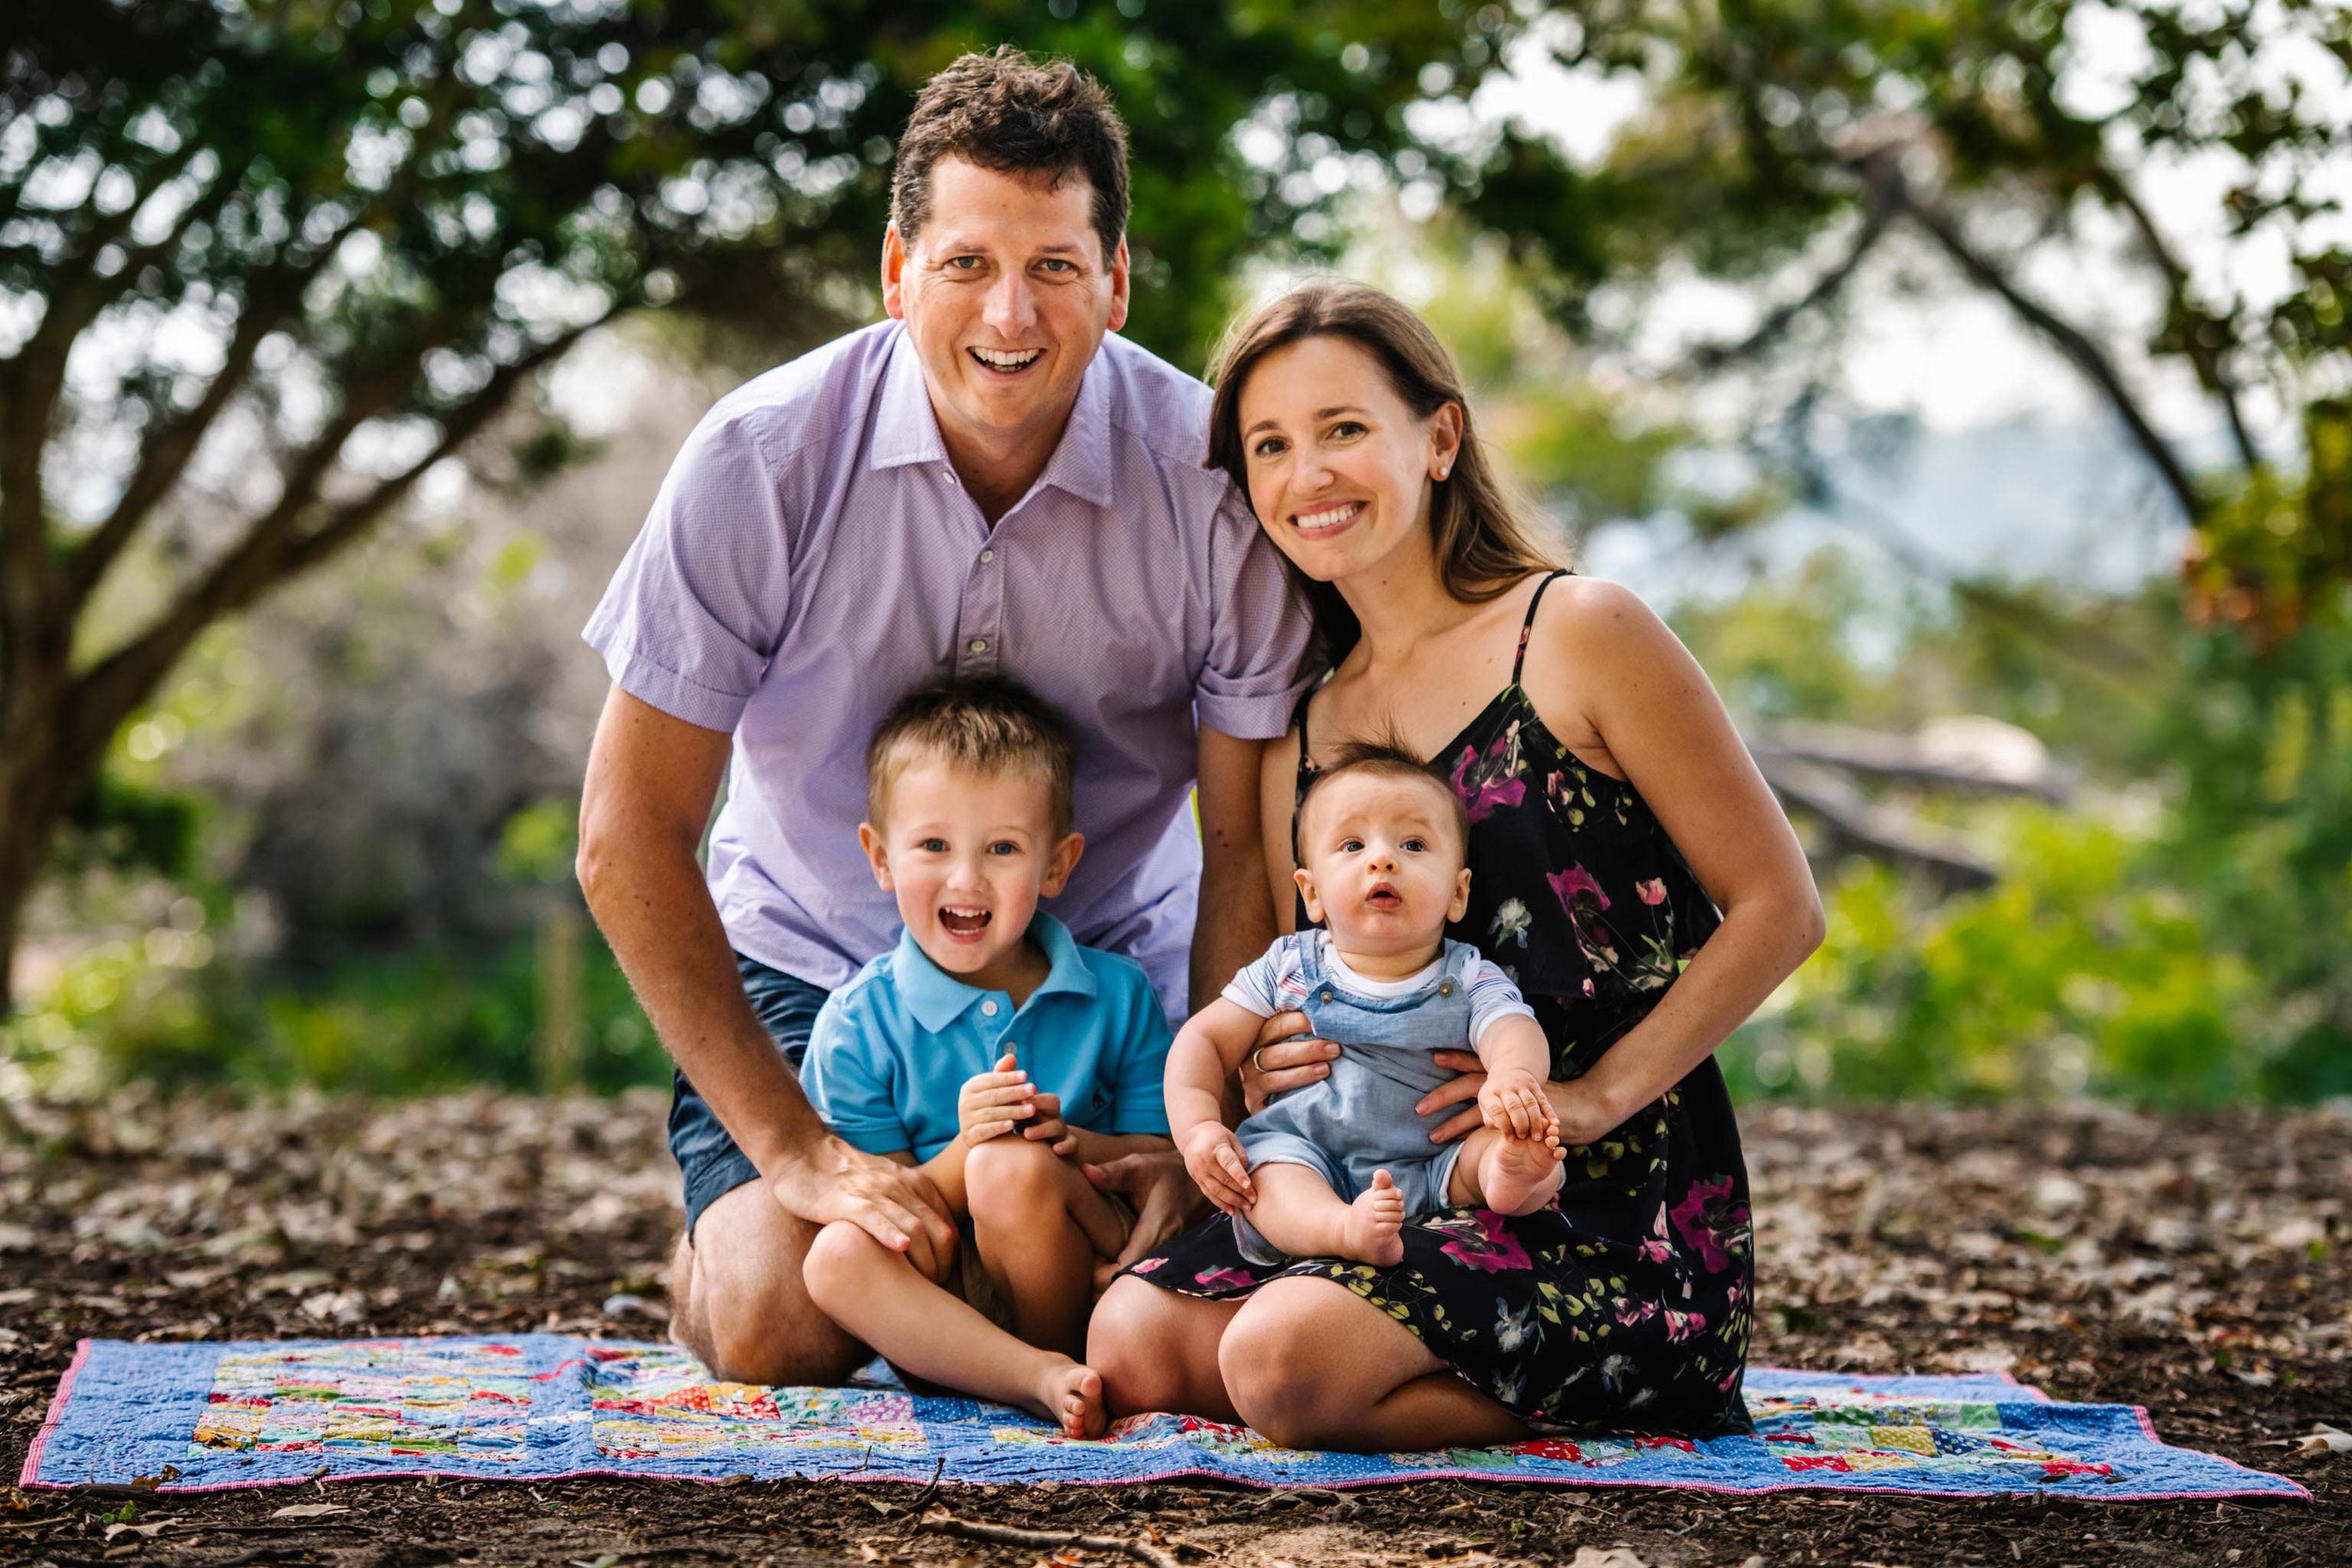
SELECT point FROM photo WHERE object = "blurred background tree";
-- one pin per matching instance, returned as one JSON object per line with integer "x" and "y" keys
{"x": 437, "y": 289}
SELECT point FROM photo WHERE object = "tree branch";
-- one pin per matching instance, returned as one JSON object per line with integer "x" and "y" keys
{"x": 2210, "y": 371}
{"x": 1881, "y": 170}
{"x": 1855, "y": 825}
{"x": 1714, "y": 356}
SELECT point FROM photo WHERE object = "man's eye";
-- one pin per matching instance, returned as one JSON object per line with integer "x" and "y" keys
{"x": 1056, "y": 263}
{"x": 963, "y": 264}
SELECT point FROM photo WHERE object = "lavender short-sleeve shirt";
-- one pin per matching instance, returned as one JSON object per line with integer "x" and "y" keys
{"x": 812, "y": 556}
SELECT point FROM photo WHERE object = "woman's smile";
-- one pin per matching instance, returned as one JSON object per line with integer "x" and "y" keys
{"x": 1326, "y": 519}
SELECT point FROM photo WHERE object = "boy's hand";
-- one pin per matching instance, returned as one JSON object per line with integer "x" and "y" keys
{"x": 1046, "y": 1125}
{"x": 1512, "y": 1102}
{"x": 1214, "y": 1159}
{"x": 992, "y": 1105}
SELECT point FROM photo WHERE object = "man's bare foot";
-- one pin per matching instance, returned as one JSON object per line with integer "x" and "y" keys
{"x": 1072, "y": 1394}
{"x": 1519, "y": 1175}
{"x": 1372, "y": 1232}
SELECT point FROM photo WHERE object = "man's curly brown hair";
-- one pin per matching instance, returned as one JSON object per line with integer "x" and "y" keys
{"x": 1010, "y": 113}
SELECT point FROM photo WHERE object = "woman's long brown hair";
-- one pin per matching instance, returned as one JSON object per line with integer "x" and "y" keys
{"x": 1479, "y": 536}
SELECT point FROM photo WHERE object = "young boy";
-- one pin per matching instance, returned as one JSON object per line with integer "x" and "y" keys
{"x": 1334, "y": 1170}
{"x": 989, "y": 1049}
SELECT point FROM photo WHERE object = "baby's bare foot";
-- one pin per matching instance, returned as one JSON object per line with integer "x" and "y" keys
{"x": 1519, "y": 1175}
{"x": 1072, "y": 1394}
{"x": 1372, "y": 1232}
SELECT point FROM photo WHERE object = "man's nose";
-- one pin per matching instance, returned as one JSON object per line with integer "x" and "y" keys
{"x": 1010, "y": 306}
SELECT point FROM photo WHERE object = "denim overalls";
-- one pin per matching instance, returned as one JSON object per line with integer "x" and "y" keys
{"x": 1361, "y": 1119}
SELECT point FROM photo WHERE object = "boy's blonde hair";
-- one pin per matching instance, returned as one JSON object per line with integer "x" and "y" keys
{"x": 982, "y": 724}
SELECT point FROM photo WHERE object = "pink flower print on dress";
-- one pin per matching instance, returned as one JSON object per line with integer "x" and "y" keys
{"x": 1224, "y": 1279}
{"x": 1703, "y": 1219}
{"x": 1482, "y": 1242}
{"x": 1487, "y": 782}
{"x": 1681, "y": 1325}
{"x": 1650, "y": 890}
{"x": 1567, "y": 884}
{"x": 1149, "y": 1264}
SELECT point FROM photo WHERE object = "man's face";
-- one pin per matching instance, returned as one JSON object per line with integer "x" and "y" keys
{"x": 1006, "y": 294}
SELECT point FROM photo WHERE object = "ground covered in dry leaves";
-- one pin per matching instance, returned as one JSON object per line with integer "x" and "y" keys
{"x": 2200, "y": 1267}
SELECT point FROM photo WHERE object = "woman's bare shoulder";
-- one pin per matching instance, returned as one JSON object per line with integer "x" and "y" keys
{"x": 1593, "y": 618}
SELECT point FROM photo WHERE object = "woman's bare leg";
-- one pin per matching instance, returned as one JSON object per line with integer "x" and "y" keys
{"x": 1157, "y": 1350}
{"x": 1311, "y": 1365}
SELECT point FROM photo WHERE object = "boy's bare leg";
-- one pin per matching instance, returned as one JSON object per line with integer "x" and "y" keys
{"x": 1508, "y": 1175}
{"x": 1039, "y": 1226}
{"x": 1298, "y": 1213}
{"x": 876, "y": 1295}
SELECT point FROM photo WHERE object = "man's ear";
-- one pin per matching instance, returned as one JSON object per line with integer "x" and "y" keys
{"x": 1461, "y": 898}
{"x": 1305, "y": 880}
{"x": 894, "y": 261}
{"x": 1118, "y": 286}
{"x": 1063, "y": 861}
{"x": 876, "y": 854}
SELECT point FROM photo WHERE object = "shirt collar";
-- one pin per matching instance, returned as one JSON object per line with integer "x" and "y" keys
{"x": 937, "y": 999}
{"x": 906, "y": 427}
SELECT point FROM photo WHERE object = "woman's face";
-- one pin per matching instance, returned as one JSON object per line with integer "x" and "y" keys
{"x": 1338, "y": 467}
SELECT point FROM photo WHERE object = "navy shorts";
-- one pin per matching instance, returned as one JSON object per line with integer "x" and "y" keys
{"x": 706, "y": 1153}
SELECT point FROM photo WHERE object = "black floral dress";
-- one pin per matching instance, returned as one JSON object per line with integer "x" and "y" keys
{"x": 1626, "y": 1304}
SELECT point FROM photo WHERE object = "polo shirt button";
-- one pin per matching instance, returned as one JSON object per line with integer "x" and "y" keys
{"x": 978, "y": 644}
{"x": 989, "y": 1008}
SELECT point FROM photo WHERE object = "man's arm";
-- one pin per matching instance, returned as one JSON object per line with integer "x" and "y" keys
{"x": 648, "y": 796}
{"x": 1236, "y": 918}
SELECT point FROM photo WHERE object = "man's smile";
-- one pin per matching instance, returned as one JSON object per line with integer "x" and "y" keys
{"x": 1007, "y": 361}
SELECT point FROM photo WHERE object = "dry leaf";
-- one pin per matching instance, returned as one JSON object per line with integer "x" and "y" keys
{"x": 309, "y": 1511}
{"x": 2326, "y": 1439}
{"x": 1616, "y": 1556}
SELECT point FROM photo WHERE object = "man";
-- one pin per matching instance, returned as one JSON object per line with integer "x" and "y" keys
{"x": 983, "y": 483}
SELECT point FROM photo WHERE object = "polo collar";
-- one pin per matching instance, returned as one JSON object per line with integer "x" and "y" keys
{"x": 906, "y": 427}
{"x": 937, "y": 999}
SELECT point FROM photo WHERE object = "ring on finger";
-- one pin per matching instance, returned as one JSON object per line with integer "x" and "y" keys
{"x": 1261, "y": 1068}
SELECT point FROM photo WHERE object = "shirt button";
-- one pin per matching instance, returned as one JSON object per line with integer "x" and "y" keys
{"x": 978, "y": 644}
{"x": 987, "y": 556}
{"x": 989, "y": 1008}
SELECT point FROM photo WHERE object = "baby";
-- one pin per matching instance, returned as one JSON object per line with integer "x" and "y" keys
{"x": 987, "y": 1049}
{"x": 1333, "y": 1169}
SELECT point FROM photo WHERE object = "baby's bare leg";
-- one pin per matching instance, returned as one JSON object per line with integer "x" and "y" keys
{"x": 1040, "y": 1226}
{"x": 876, "y": 1295}
{"x": 1298, "y": 1211}
{"x": 1508, "y": 1175}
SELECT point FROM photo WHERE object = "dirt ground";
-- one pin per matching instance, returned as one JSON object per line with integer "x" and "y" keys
{"x": 2200, "y": 1267}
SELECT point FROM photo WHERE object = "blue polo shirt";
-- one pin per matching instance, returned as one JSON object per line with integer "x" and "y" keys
{"x": 892, "y": 1050}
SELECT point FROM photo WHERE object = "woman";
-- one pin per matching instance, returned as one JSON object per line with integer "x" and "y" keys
{"x": 1613, "y": 812}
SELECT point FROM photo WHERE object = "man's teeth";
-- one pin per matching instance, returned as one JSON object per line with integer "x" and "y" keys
{"x": 1005, "y": 361}
{"x": 1329, "y": 516}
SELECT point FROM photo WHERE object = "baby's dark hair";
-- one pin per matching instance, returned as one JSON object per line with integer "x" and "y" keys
{"x": 1386, "y": 756}
{"x": 983, "y": 724}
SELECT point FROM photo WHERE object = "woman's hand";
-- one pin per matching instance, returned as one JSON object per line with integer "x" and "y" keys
{"x": 1461, "y": 1091}
{"x": 992, "y": 1105}
{"x": 1277, "y": 1064}
{"x": 1214, "y": 1158}
{"x": 1165, "y": 1200}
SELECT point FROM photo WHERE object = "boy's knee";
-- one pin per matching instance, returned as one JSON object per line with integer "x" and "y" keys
{"x": 1012, "y": 1179}
{"x": 837, "y": 1258}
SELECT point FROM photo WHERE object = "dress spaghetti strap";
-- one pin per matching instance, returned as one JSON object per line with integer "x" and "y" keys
{"x": 1527, "y": 628}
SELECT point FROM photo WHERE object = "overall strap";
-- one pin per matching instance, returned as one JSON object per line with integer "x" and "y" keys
{"x": 1526, "y": 627}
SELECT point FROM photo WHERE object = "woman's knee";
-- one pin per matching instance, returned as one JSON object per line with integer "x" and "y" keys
{"x": 1137, "y": 1342}
{"x": 1012, "y": 1181}
{"x": 1279, "y": 1369}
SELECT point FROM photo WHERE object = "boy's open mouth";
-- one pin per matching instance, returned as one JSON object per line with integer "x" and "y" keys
{"x": 964, "y": 923}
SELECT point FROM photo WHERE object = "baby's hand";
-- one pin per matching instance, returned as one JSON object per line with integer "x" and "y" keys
{"x": 1511, "y": 1102}
{"x": 1218, "y": 1167}
{"x": 993, "y": 1103}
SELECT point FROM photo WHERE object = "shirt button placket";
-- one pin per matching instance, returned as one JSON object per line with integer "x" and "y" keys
{"x": 980, "y": 616}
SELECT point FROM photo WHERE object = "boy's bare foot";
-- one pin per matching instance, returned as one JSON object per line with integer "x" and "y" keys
{"x": 1372, "y": 1230}
{"x": 1072, "y": 1394}
{"x": 1519, "y": 1175}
